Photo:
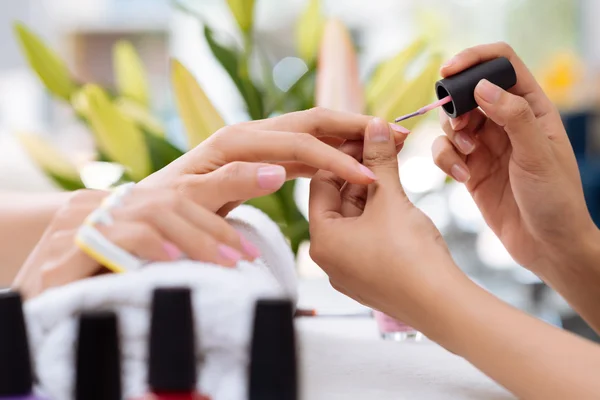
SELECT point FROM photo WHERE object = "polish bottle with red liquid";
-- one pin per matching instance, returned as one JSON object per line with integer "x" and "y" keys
{"x": 172, "y": 371}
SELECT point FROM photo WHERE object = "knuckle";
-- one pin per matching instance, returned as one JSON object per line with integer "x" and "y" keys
{"x": 317, "y": 112}
{"x": 233, "y": 170}
{"x": 505, "y": 48}
{"x": 519, "y": 109}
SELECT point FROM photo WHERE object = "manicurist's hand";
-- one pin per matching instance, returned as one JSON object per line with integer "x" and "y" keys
{"x": 372, "y": 242}
{"x": 379, "y": 249}
{"x": 517, "y": 162}
{"x": 302, "y": 142}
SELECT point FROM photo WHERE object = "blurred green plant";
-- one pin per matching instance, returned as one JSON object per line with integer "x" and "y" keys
{"x": 126, "y": 132}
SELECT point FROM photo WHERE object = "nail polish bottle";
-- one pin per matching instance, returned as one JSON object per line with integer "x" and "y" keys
{"x": 16, "y": 377}
{"x": 98, "y": 357}
{"x": 392, "y": 329}
{"x": 172, "y": 365}
{"x": 273, "y": 371}
{"x": 461, "y": 87}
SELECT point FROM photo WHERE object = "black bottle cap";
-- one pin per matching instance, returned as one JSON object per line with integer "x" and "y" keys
{"x": 16, "y": 378}
{"x": 273, "y": 367}
{"x": 462, "y": 85}
{"x": 172, "y": 365}
{"x": 98, "y": 359}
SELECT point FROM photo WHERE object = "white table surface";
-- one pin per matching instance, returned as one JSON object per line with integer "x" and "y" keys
{"x": 345, "y": 358}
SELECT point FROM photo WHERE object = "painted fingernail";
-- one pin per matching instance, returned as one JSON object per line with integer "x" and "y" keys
{"x": 460, "y": 173}
{"x": 488, "y": 91}
{"x": 465, "y": 144}
{"x": 271, "y": 177}
{"x": 229, "y": 253}
{"x": 172, "y": 251}
{"x": 449, "y": 63}
{"x": 367, "y": 172}
{"x": 378, "y": 130}
{"x": 249, "y": 248}
{"x": 399, "y": 129}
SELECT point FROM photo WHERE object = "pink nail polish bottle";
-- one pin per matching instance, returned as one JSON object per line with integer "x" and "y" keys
{"x": 392, "y": 329}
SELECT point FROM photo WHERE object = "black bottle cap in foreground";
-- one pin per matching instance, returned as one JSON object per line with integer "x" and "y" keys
{"x": 273, "y": 366}
{"x": 98, "y": 359}
{"x": 172, "y": 365}
{"x": 15, "y": 363}
{"x": 462, "y": 85}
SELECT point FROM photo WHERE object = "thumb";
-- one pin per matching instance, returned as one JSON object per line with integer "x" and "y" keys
{"x": 380, "y": 156}
{"x": 515, "y": 115}
{"x": 237, "y": 182}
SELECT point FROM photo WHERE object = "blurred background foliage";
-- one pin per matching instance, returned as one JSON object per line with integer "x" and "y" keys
{"x": 325, "y": 72}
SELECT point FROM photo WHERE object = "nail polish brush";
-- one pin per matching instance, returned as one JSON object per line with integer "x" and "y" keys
{"x": 456, "y": 93}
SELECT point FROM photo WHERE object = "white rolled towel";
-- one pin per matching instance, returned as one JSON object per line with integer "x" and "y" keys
{"x": 223, "y": 300}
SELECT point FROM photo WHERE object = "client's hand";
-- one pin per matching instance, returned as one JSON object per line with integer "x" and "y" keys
{"x": 372, "y": 242}
{"x": 302, "y": 142}
{"x": 154, "y": 225}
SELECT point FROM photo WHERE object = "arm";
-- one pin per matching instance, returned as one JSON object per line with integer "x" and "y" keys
{"x": 379, "y": 249}
{"x": 23, "y": 219}
{"x": 529, "y": 357}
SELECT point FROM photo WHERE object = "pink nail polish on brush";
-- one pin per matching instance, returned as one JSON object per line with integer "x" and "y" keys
{"x": 392, "y": 329}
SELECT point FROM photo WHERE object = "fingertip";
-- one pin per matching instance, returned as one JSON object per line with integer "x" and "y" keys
{"x": 368, "y": 173}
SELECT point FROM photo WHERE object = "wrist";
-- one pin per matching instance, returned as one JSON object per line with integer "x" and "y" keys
{"x": 429, "y": 306}
{"x": 579, "y": 258}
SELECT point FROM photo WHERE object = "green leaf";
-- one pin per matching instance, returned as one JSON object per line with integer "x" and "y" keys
{"x": 271, "y": 206}
{"x": 243, "y": 11}
{"x": 130, "y": 73}
{"x": 53, "y": 162}
{"x": 162, "y": 152}
{"x": 117, "y": 136}
{"x": 66, "y": 183}
{"x": 46, "y": 63}
{"x": 199, "y": 116}
{"x": 234, "y": 67}
{"x": 309, "y": 31}
{"x": 141, "y": 116}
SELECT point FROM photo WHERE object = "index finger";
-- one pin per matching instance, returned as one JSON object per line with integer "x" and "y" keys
{"x": 322, "y": 122}
{"x": 526, "y": 87}
{"x": 274, "y": 147}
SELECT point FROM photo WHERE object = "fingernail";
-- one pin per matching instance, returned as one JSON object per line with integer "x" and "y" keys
{"x": 449, "y": 63}
{"x": 464, "y": 142}
{"x": 460, "y": 173}
{"x": 172, "y": 251}
{"x": 488, "y": 91}
{"x": 367, "y": 172}
{"x": 249, "y": 248}
{"x": 379, "y": 131}
{"x": 229, "y": 253}
{"x": 399, "y": 129}
{"x": 271, "y": 177}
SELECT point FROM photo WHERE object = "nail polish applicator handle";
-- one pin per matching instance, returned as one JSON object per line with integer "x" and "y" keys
{"x": 461, "y": 87}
